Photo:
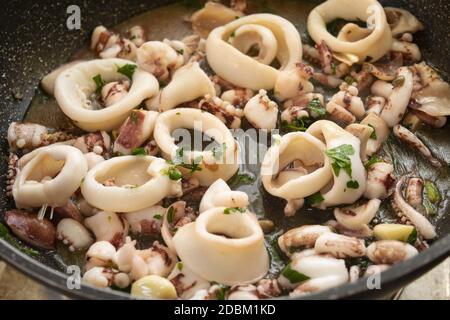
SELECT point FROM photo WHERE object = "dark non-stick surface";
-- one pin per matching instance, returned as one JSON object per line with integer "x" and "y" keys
{"x": 35, "y": 40}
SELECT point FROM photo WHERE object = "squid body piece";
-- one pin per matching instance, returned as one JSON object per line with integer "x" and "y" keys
{"x": 219, "y": 194}
{"x": 295, "y": 184}
{"x": 49, "y": 175}
{"x": 344, "y": 189}
{"x": 374, "y": 44}
{"x": 217, "y": 243}
{"x": 188, "y": 83}
{"x": 275, "y": 37}
{"x": 128, "y": 183}
{"x": 211, "y": 166}
{"x": 75, "y": 85}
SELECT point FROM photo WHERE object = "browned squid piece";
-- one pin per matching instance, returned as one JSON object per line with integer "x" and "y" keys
{"x": 414, "y": 142}
{"x": 39, "y": 233}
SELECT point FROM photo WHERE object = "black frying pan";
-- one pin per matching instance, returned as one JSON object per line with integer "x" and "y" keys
{"x": 34, "y": 40}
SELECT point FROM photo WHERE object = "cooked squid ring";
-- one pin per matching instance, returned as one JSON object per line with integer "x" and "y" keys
{"x": 128, "y": 183}
{"x": 340, "y": 192}
{"x": 49, "y": 176}
{"x": 250, "y": 35}
{"x": 219, "y": 194}
{"x": 75, "y": 85}
{"x": 188, "y": 83}
{"x": 375, "y": 45}
{"x": 243, "y": 70}
{"x": 210, "y": 168}
{"x": 218, "y": 243}
{"x": 291, "y": 185}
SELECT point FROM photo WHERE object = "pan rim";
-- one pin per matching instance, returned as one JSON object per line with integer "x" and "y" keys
{"x": 57, "y": 280}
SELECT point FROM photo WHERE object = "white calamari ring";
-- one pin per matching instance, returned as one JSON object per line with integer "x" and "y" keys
{"x": 375, "y": 45}
{"x": 138, "y": 182}
{"x": 49, "y": 175}
{"x": 210, "y": 167}
{"x": 296, "y": 146}
{"x": 340, "y": 192}
{"x": 226, "y": 248}
{"x": 244, "y": 71}
{"x": 75, "y": 85}
{"x": 219, "y": 194}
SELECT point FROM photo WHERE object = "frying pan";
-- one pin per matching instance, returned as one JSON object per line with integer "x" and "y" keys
{"x": 34, "y": 40}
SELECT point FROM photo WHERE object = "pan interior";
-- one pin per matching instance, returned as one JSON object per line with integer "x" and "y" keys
{"x": 168, "y": 22}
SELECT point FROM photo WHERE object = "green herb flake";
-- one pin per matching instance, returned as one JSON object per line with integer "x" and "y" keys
{"x": 372, "y": 160}
{"x": 99, "y": 83}
{"x": 294, "y": 276}
{"x": 349, "y": 79}
{"x": 352, "y": 184}
{"x": 180, "y": 51}
{"x": 340, "y": 158}
{"x": 127, "y": 70}
{"x": 221, "y": 291}
{"x": 234, "y": 210}
{"x": 412, "y": 237}
{"x": 139, "y": 152}
{"x": 173, "y": 173}
{"x": 170, "y": 214}
{"x": 316, "y": 107}
{"x": 133, "y": 117}
{"x": 315, "y": 198}
{"x": 218, "y": 152}
{"x": 373, "y": 135}
{"x": 157, "y": 216}
{"x": 180, "y": 266}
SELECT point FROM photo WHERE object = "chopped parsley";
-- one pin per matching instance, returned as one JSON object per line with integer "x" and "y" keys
{"x": 178, "y": 161}
{"x": 170, "y": 214}
{"x": 340, "y": 158}
{"x": 218, "y": 152}
{"x": 127, "y": 70}
{"x": 242, "y": 179}
{"x": 373, "y": 135}
{"x": 180, "y": 51}
{"x": 173, "y": 173}
{"x": 234, "y": 210}
{"x": 99, "y": 83}
{"x": 315, "y": 198}
{"x": 412, "y": 237}
{"x": 221, "y": 291}
{"x": 349, "y": 79}
{"x": 139, "y": 152}
{"x": 180, "y": 266}
{"x": 157, "y": 216}
{"x": 316, "y": 107}
{"x": 373, "y": 159}
{"x": 133, "y": 117}
{"x": 352, "y": 184}
{"x": 293, "y": 276}
{"x": 299, "y": 124}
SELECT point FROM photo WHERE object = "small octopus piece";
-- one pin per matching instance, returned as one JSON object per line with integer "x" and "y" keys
{"x": 261, "y": 112}
{"x": 73, "y": 234}
{"x": 414, "y": 142}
